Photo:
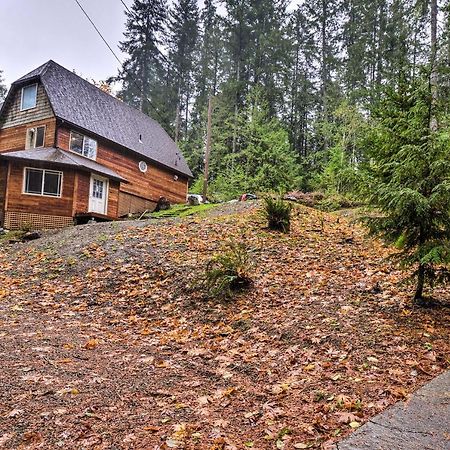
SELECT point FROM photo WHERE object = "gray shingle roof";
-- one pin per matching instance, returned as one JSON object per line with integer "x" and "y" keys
{"x": 82, "y": 104}
{"x": 63, "y": 158}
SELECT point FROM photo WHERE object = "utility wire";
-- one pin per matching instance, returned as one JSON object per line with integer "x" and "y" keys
{"x": 120, "y": 62}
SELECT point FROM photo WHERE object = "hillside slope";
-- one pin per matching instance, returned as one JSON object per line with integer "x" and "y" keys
{"x": 106, "y": 344}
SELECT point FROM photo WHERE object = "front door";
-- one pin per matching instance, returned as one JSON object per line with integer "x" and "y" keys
{"x": 98, "y": 197}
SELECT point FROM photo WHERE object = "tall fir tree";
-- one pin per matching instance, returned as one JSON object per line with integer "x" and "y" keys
{"x": 410, "y": 185}
{"x": 2, "y": 87}
{"x": 182, "y": 44}
{"x": 142, "y": 70}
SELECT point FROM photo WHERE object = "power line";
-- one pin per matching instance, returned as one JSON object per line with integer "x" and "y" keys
{"x": 120, "y": 62}
{"x": 98, "y": 32}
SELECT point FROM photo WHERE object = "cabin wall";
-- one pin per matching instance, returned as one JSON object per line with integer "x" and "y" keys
{"x": 82, "y": 191}
{"x": 13, "y": 116}
{"x": 3, "y": 179}
{"x": 143, "y": 190}
{"x": 37, "y": 211}
{"x": 14, "y": 138}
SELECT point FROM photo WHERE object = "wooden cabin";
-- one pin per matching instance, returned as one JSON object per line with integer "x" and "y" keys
{"x": 69, "y": 151}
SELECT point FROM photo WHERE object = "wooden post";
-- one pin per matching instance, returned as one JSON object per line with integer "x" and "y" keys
{"x": 208, "y": 150}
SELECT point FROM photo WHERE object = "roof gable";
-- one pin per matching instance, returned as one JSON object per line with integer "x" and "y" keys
{"x": 82, "y": 104}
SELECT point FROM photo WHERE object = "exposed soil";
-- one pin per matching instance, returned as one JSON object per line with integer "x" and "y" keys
{"x": 106, "y": 343}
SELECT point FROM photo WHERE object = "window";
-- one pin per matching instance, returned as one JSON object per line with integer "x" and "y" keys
{"x": 83, "y": 145}
{"x": 143, "y": 166}
{"x": 35, "y": 137}
{"x": 43, "y": 182}
{"x": 29, "y": 97}
{"x": 97, "y": 188}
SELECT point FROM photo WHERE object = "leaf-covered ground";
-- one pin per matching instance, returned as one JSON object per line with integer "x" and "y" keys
{"x": 105, "y": 345}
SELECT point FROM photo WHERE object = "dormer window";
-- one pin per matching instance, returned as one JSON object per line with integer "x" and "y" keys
{"x": 83, "y": 145}
{"x": 29, "y": 97}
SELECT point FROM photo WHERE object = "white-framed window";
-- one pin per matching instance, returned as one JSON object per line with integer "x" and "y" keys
{"x": 29, "y": 97}
{"x": 43, "y": 182}
{"x": 35, "y": 137}
{"x": 83, "y": 145}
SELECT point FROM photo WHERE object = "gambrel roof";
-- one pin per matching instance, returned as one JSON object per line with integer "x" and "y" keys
{"x": 83, "y": 105}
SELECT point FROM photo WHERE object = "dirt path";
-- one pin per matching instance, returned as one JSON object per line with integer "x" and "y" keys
{"x": 106, "y": 344}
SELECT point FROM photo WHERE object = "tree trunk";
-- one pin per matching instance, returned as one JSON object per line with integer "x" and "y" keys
{"x": 420, "y": 283}
{"x": 433, "y": 74}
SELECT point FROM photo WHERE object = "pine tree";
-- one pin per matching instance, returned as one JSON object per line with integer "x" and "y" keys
{"x": 207, "y": 81}
{"x": 182, "y": 42}
{"x": 3, "y": 89}
{"x": 142, "y": 70}
{"x": 300, "y": 90}
{"x": 410, "y": 175}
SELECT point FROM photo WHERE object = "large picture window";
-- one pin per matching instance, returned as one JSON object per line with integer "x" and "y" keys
{"x": 43, "y": 182}
{"x": 29, "y": 97}
{"x": 83, "y": 145}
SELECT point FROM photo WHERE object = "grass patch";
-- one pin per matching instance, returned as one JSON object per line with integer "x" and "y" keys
{"x": 182, "y": 211}
{"x": 11, "y": 236}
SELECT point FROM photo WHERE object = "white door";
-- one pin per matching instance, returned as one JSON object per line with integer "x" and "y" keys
{"x": 98, "y": 197}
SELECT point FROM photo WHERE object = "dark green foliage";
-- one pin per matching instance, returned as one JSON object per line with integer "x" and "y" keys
{"x": 410, "y": 180}
{"x": 142, "y": 70}
{"x": 228, "y": 272}
{"x": 2, "y": 87}
{"x": 182, "y": 42}
{"x": 278, "y": 213}
{"x": 292, "y": 85}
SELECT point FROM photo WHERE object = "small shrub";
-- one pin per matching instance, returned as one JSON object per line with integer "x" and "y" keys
{"x": 26, "y": 227}
{"x": 278, "y": 214}
{"x": 336, "y": 202}
{"x": 228, "y": 272}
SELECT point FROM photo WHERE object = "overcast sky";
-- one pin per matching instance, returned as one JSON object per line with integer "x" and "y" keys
{"x": 34, "y": 31}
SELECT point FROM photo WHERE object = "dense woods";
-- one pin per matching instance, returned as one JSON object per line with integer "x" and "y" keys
{"x": 349, "y": 98}
{"x": 294, "y": 86}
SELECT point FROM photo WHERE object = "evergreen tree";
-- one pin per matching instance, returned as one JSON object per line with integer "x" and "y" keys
{"x": 300, "y": 90}
{"x": 142, "y": 71}
{"x": 3, "y": 89}
{"x": 182, "y": 42}
{"x": 410, "y": 175}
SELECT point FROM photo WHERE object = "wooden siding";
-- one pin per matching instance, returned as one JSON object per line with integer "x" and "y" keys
{"x": 150, "y": 186}
{"x": 17, "y": 201}
{"x": 14, "y": 138}
{"x": 13, "y": 116}
{"x": 113, "y": 199}
{"x": 82, "y": 186}
{"x": 81, "y": 196}
{"x": 3, "y": 177}
{"x": 130, "y": 204}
